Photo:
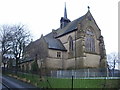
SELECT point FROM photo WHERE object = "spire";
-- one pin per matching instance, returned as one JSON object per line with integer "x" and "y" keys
{"x": 65, "y": 12}
{"x": 64, "y": 20}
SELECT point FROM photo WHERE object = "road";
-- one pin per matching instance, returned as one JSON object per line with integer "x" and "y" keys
{"x": 9, "y": 83}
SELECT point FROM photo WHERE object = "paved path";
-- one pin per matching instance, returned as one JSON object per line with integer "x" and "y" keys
{"x": 15, "y": 84}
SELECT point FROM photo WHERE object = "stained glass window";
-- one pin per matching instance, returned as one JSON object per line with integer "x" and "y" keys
{"x": 90, "y": 41}
{"x": 70, "y": 43}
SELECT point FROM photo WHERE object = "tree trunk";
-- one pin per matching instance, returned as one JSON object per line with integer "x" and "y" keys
{"x": 16, "y": 70}
{"x": 4, "y": 67}
{"x": 41, "y": 71}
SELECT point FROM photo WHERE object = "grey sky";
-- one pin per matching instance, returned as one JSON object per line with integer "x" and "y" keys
{"x": 41, "y": 16}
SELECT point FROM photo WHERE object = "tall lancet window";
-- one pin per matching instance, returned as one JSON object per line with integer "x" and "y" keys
{"x": 90, "y": 41}
{"x": 70, "y": 43}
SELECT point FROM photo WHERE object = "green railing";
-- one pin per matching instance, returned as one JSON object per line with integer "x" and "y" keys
{"x": 53, "y": 82}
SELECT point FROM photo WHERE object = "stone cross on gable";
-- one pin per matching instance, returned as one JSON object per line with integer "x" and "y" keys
{"x": 88, "y": 8}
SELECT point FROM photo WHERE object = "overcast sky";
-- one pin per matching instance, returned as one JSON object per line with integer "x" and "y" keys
{"x": 41, "y": 16}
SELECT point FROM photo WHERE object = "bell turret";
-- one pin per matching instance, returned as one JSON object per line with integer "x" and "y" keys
{"x": 64, "y": 20}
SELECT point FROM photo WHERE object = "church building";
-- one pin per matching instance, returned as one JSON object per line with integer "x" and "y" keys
{"x": 76, "y": 44}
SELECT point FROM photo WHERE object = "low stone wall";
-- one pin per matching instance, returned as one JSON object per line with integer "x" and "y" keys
{"x": 54, "y": 63}
{"x": 74, "y": 63}
{"x": 91, "y": 61}
{"x": 69, "y": 64}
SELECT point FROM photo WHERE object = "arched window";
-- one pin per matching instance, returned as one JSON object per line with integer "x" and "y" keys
{"x": 70, "y": 44}
{"x": 90, "y": 41}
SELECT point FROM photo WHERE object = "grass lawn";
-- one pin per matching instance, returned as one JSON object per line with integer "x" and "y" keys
{"x": 84, "y": 83}
{"x": 48, "y": 82}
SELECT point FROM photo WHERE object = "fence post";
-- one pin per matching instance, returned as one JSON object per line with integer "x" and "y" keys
{"x": 60, "y": 74}
{"x": 72, "y": 82}
{"x": 57, "y": 74}
{"x": 51, "y": 73}
{"x": 88, "y": 72}
{"x": 107, "y": 73}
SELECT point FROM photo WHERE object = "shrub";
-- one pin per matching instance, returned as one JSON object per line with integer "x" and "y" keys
{"x": 34, "y": 67}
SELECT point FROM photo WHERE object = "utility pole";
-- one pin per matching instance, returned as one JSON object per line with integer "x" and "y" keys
{"x": 73, "y": 75}
{"x": 75, "y": 51}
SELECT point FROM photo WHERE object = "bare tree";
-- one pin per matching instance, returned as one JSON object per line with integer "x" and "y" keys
{"x": 112, "y": 61}
{"x": 5, "y": 41}
{"x": 20, "y": 39}
{"x": 13, "y": 39}
{"x": 118, "y": 60}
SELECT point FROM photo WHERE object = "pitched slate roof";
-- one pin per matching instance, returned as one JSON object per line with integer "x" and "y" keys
{"x": 54, "y": 43}
{"x": 70, "y": 27}
{"x": 32, "y": 44}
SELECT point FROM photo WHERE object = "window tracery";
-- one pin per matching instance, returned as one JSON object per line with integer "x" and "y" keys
{"x": 70, "y": 44}
{"x": 90, "y": 41}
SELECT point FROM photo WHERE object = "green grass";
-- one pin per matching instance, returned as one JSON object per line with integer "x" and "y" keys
{"x": 60, "y": 83}
{"x": 48, "y": 82}
{"x": 84, "y": 83}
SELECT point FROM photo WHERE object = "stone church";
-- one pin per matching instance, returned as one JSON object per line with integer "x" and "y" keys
{"x": 74, "y": 45}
